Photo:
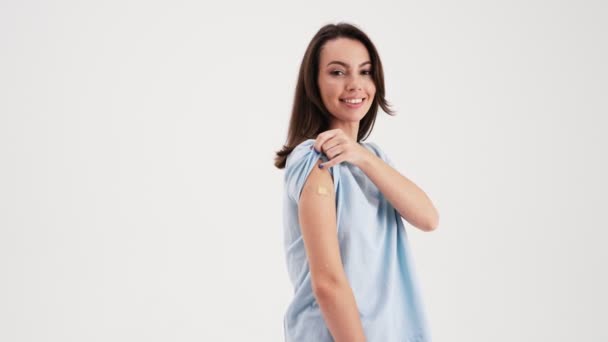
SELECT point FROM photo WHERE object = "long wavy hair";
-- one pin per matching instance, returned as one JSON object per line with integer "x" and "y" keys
{"x": 309, "y": 116}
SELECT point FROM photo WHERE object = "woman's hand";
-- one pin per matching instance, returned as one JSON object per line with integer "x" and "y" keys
{"x": 339, "y": 147}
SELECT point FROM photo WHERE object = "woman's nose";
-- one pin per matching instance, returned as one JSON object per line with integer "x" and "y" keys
{"x": 354, "y": 83}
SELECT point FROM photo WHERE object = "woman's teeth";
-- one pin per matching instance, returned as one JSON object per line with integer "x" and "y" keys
{"x": 352, "y": 101}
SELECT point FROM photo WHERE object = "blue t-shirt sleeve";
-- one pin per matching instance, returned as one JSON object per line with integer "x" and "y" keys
{"x": 298, "y": 166}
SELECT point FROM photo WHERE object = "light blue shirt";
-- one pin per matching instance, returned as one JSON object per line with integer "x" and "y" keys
{"x": 374, "y": 250}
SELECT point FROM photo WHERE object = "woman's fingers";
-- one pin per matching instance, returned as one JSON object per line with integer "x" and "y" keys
{"x": 325, "y": 137}
{"x": 335, "y": 151}
{"x": 332, "y": 162}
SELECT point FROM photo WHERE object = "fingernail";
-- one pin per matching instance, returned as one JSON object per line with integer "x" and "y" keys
{"x": 320, "y": 166}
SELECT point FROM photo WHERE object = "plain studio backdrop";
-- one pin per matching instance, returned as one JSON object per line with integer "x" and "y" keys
{"x": 138, "y": 196}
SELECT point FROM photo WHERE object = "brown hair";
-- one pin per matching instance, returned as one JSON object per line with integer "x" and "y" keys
{"x": 309, "y": 117}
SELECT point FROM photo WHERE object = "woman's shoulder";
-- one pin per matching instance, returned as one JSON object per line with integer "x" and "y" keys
{"x": 300, "y": 162}
{"x": 300, "y": 150}
{"x": 306, "y": 143}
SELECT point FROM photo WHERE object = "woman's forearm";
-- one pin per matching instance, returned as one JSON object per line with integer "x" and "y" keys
{"x": 410, "y": 201}
{"x": 337, "y": 303}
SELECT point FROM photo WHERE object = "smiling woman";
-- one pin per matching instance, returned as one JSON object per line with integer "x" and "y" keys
{"x": 345, "y": 242}
{"x": 346, "y": 90}
{"x": 309, "y": 115}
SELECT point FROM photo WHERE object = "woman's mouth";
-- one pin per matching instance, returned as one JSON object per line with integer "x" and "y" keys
{"x": 353, "y": 103}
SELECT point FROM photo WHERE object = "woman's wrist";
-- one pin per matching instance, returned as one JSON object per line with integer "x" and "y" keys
{"x": 367, "y": 161}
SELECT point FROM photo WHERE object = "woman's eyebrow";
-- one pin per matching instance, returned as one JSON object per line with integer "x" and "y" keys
{"x": 346, "y": 65}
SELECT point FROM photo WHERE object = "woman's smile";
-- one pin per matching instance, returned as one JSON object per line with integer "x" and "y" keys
{"x": 353, "y": 103}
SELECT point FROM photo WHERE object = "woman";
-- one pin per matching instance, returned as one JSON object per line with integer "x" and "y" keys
{"x": 345, "y": 242}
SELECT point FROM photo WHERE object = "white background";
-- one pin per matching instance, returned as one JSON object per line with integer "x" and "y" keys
{"x": 138, "y": 196}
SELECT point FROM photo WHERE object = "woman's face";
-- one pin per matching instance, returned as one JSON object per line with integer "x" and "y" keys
{"x": 345, "y": 73}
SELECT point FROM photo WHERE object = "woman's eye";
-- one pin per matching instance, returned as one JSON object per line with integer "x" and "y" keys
{"x": 364, "y": 72}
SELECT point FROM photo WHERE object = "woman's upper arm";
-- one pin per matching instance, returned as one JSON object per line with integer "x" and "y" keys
{"x": 317, "y": 215}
